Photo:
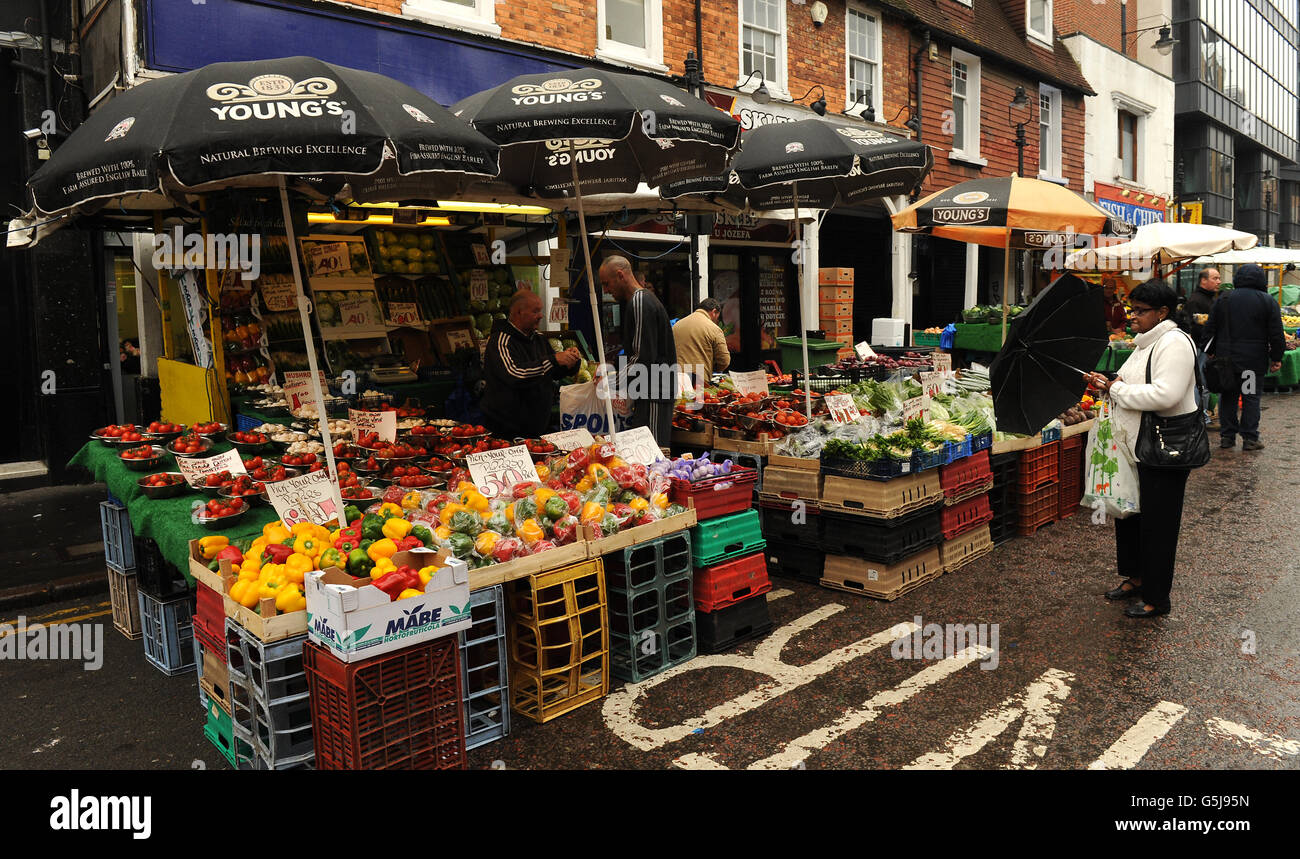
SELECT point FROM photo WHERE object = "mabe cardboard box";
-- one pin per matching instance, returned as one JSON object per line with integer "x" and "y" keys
{"x": 356, "y": 620}
{"x": 830, "y": 276}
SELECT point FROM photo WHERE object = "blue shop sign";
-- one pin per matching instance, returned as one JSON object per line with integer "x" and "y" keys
{"x": 1131, "y": 213}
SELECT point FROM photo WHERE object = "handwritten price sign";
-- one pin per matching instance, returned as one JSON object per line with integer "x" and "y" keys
{"x": 297, "y": 388}
{"x": 312, "y": 497}
{"x": 942, "y": 362}
{"x": 279, "y": 293}
{"x": 752, "y": 382}
{"x": 196, "y": 469}
{"x": 329, "y": 258}
{"x": 403, "y": 313}
{"x": 916, "y": 407}
{"x": 570, "y": 439}
{"x": 481, "y": 254}
{"x": 638, "y": 445}
{"x": 356, "y": 311}
{"x": 843, "y": 409}
{"x": 559, "y": 311}
{"x": 382, "y": 423}
{"x": 478, "y": 285}
{"x": 495, "y": 471}
{"x": 933, "y": 383}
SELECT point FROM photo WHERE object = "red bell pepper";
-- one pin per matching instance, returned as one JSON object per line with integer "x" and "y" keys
{"x": 232, "y": 554}
{"x": 408, "y": 542}
{"x": 579, "y": 458}
{"x": 277, "y": 553}
{"x": 392, "y": 584}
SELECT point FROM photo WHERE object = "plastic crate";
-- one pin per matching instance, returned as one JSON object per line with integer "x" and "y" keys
{"x": 484, "y": 684}
{"x": 778, "y": 523}
{"x": 198, "y": 667}
{"x": 1001, "y": 531}
{"x": 717, "y": 496}
{"x": 885, "y": 541}
{"x": 399, "y": 710}
{"x": 793, "y": 561}
{"x": 724, "y": 629}
{"x": 219, "y": 729}
{"x": 559, "y": 640}
{"x": 726, "y": 537}
{"x": 921, "y": 338}
{"x": 1004, "y": 466}
{"x": 925, "y": 460}
{"x": 1038, "y": 466}
{"x": 726, "y": 584}
{"x": 210, "y": 619}
{"x": 157, "y": 575}
{"x": 167, "y": 628}
{"x": 882, "y": 581}
{"x": 214, "y": 674}
{"x": 746, "y": 460}
{"x": 243, "y": 423}
{"x": 955, "y": 450}
{"x": 649, "y": 564}
{"x": 820, "y": 352}
{"x": 960, "y": 518}
{"x": 966, "y": 478}
{"x": 273, "y": 671}
{"x": 119, "y": 540}
{"x": 880, "y": 469}
{"x": 282, "y": 729}
{"x": 122, "y": 591}
{"x": 1036, "y": 509}
{"x": 654, "y": 650}
{"x": 983, "y": 441}
{"x": 957, "y": 553}
{"x": 887, "y": 499}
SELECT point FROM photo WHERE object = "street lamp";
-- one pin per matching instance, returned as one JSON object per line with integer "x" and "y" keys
{"x": 760, "y": 95}
{"x": 1268, "y": 184}
{"x": 868, "y": 112}
{"x": 819, "y": 105}
{"x": 1020, "y": 102}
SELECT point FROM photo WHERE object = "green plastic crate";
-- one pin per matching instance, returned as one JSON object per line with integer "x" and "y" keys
{"x": 920, "y": 338}
{"x": 220, "y": 731}
{"x": 820, "y": 353}
{"x": 725, "y": 537}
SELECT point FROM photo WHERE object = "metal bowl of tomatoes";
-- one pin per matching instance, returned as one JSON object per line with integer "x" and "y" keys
{"x": 244, "y": 487}
{"x": 191, "y": 445}
{"x": 221, "y": 513}
{"x": 358, "y": 492}
{"x": 164, "y": 484}
{"x": 210, "y": 430}
{"x": 123, "y": 435}
{"x": 145, "y": 457}
{"x": 248, "y": 442}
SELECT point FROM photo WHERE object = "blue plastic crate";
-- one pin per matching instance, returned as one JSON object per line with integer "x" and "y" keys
{"x": 243, "y": 423}
{"x": 927, "y": 460}
{"x": 485, "y": 692}
{"x": 119, "y": 540}
{"x": 955, "y": 450}
{"x": 983, "y": 441}
{"x": 1052, "y": 434}
{"x": 168, "y": 629}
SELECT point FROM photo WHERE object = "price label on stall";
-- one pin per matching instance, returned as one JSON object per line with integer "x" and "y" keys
{"x": 459, "y": 338}
{"x": 638, "y": 445}
{"x": 559, "y": 311}
{"x": 751, "y": 382}
{"x": 933, "y": 383}
{"x": 942, "y": 362}
{"x": 864, "y": 350}
{"x": 573, "y": 439}
{"x": 481, "y": 254}
{"x": 195, "y": 470}
{"x": 297, "y": 388}
{"x": 327, "y": 258}
{"x": 495, "y": 471}
{"x": 843, "y": 409}
{"x": 312, "y": 497}
{"x": 916, "y": 407}
{"x": 478, "y": 285}
{"x": 403, "y": 313}
{"x": 357, "y": 312}
{"x": 279, "y": 293}
{"x": 382, "y": 423}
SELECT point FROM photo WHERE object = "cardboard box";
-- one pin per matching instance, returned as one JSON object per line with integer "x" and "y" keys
{"x": 356, "y": 620}
{"x": 836, "y": 326}
{"x": 834, "y": 293}
{"x": 835, "y": 276}
{"x": 835, "y": 310}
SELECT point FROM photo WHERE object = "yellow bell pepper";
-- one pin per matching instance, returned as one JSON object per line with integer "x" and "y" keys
{"x": 660, "y": 500}
{"x": 259, "y": 545}
{"x": 381, "y": 549}
{"x": 427, "y": 573}
{"x": 390, "y": 507}
{"x": 311, "y": 529}
{"x": 485, "y": 542}
{"x": 275, "y": 532}
{"x": 543, "y": 471}
{"x": 530, "y": 532}
{"x": 297, "y": 566}
{"x": 591, "y": 513}
{"x": 542, "y": 494}
{"x": 615, "y": 462}
{"x": 444, "y": 515}
{"x": 396, "y": 529}
{"x": 585, "y": 484}
{"x": 466, "y": 486}
{"x": 478, "y": 502}
{"x": 252, "y": 567}
{"x": 310, "y": 545}
{"x": 382, "y": 567}
{"x": 596, "y": 471}
{"x": 639, "y": 503}
{"x": 408, "y": 593}
{"x": 411, "y": 501}
{"x": 510, "y": 511}
{"x": 271, "y": 587}
{"x": 209, "y": 546}
{"x": 442, "y": 532}
{"x": 244, "y": 592}
{"x": 290, "y": 598}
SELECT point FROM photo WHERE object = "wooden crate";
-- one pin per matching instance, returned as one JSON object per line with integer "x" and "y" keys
{"x": 264, "y": 623}
{"x": 762, "y": 447}
{"x": 886, "y": 499}
{"x": 519, "y": 568}
{"x": 1078, "y": 429}
{"x": 641, "y": 533}
{"x": 887, "y": 582}
{"x": 694, "y": 439}
{"x": 794, "y": 462}
{"x": 123, "y": 589}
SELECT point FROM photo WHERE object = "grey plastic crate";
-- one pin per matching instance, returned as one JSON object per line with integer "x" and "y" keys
{"x": 652, "y": 651}
{"x": 748, "y": 460}
{"x": 119, "y": 540}
{"x": 280, "y": 730}
{"x": 485, "y": 692}
{"x": 651, "y": 628}
{"x": 167, "y": 628}
{"x": 649, "y": 565}
{"x": 198, "y": 668}
{"x": 273, "y": 671}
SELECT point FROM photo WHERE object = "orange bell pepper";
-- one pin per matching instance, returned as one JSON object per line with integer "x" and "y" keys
{"x": 529, "y": 531}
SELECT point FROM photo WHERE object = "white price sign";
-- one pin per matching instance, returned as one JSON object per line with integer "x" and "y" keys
{"x": 916, "y": 407}
{"x": 356, "y": 311}
{"x": 481, "y": 254}
{"x": 495, "y": 471}
{"x": 573, "y": 439}
{"x": 638, "y": 445}
{"x": 559, "y": 311}
{"x": 864, "y": 350}
{"x": 942, "y": 362}
{"x": 297, "y": 388}
{"x": 382, "y": 423}
{"x": 933, "y": 383}
{"x": 843, "y": 409}
{"x": 196, "y": 469}
{"x": 459, "y": 339}
{"x": 279, "y": 293}
{"x": 403, "y": 313}
{"x": 328, "y": 258}
{"x": 313, "y": 497}
{"x": 752, "y": 382}
{"x": 478, "y": 285}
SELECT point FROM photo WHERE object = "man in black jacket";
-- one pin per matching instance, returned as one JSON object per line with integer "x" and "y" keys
{"x": 1200, "y": 302}
{"x": 1246, "y": 326}
{"x": 520, "y": 368}
{"x": 649, "y": 382}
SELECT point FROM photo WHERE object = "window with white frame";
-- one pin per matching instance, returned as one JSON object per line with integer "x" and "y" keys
{"x": 1038, "y": 20}
{"x": 762, "y": 43}
{"x": 862, "y": 48}
{"x": 478, "y": 16}
{"x": 631, "y": 32}
{"x": 1126, "y": 151}
{"x": 1049, "y": 132}
{"x": 965, "y": 106}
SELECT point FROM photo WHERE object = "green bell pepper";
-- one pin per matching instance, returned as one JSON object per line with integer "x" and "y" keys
{"x": 359, "y": 564}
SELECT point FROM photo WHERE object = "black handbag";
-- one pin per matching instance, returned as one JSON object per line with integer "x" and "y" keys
{"x": 1180, "y": 441}
{"x": 1221, "y": 376}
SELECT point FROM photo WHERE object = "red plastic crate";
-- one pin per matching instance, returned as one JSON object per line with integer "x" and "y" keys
{"x": 960, "y": 518}
{"x": 717, "y": 496}
{"x": 962, "y": 478}
{"x": 210, "y": 619}
{"x": 1039, "y": 466}
{"x": 400, "y": 710}
{"x": 726, "y": 584}
{"x": 1070, "y": 482}
{"x": 1037, "y": 508}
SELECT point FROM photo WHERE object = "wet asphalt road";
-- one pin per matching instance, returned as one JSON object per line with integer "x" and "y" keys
{"x": 1073, "y": 674}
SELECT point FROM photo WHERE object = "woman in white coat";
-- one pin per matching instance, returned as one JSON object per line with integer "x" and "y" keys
{"x": 1146, "y": 543}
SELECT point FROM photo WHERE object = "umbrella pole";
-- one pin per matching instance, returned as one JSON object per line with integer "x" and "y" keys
{"x": 322, "y": 420}
{"x": 595, "y": 299}
{"x": 803, "y": 329}
{"x": 1006, "y": 284}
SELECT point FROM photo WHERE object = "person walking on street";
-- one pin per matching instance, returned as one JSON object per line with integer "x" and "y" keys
{"x": 1200, "y": 302}
{"x": 520, "y": 369}
{"x": 1245, "y": 326}
{"x": 701, "y": 346}
{"x": 1146, "y": 543}
{"x": 1116, "y": 320}
{"x": 648, "y": 381}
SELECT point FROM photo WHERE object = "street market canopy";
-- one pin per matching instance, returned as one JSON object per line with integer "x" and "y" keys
{"x": 1161, "y": 245}
{"x": 1258, "y": 255}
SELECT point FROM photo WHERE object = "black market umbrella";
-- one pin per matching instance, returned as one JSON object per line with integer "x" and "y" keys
{"x": 1039, "y": 372}
{"x": 255, "y": 124}
{"x": 588, "y": 131}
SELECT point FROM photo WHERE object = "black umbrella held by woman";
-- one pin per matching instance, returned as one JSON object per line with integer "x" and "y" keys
{"x": 1039, "y": 372}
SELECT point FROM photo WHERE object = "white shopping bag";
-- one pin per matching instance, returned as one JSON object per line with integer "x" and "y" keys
{"x": 1110, "y": 481}
{"x": 582, "y": 407}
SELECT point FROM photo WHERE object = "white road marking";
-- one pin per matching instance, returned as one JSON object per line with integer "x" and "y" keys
{"x": 1269, "y": 745}
{"x": 693, "y": 761}
{"x": 778, "y": 594}
{"x": 1134, "y": 743}
{"x": 620, "y": 708}
{"x": 1038, "y": 704}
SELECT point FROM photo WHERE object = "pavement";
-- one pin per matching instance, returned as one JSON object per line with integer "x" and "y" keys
{"x": 51, "y": 544}
{"x": 1069, "y": 682}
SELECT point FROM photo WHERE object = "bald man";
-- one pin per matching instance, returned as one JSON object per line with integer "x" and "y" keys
{"x": 520, "y": 368}
{"x": 649, "y": 382}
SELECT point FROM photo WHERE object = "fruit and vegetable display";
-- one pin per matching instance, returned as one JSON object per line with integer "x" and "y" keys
{"x": 916, "y": 436}
{"x": 694, "y": 470}
{"x": 990, "y": 313}
{"x": 909, "y": 360}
